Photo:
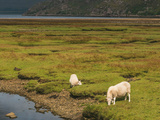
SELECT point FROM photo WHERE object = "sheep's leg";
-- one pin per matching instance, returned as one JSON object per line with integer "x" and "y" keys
{"x": 129, "y": 96}
{"x": 126, "y": 97}
{"x": 114, "y": 99}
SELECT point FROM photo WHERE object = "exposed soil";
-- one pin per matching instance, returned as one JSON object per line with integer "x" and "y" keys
{"x": 58, "y": 103}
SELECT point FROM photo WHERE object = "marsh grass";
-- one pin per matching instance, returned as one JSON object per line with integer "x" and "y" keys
{"x": 102, "y": 53}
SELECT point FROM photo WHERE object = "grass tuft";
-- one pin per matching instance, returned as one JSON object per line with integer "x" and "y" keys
{"x": 31, "y": 85}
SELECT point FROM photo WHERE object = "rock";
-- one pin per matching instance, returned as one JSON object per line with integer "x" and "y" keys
{"x": 17, "y": 69}
{"x": 11, "y": 115}
{"x": 41, "y": 111}
{"x": 53, "y": 96}
{"x": 37, "y": 105}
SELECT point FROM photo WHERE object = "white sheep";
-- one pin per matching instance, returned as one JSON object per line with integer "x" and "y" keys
{"x": 74, "y": 80}
{"x": 119, "y": 90}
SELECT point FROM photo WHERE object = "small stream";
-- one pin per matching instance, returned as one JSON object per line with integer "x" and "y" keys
{"x": 23, "y": 108}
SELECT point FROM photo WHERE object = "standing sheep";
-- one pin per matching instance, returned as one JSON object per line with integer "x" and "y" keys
{"x": 74, "y": 80}
{"x": 119, "y": 90}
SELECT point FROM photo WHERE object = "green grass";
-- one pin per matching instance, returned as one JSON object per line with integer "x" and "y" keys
{"x": 144, "y": 104}
{"x": 102, "y": 53}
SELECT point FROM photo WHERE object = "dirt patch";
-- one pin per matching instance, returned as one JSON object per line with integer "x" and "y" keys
{"x": 60, "y": 103}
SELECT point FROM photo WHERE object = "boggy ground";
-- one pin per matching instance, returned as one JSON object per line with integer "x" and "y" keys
{"x": 100, "y": 52}
{"x": 58, "y": 103}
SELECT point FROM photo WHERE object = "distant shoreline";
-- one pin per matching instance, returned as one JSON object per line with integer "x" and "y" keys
{"x": 116, "y": 16}
{"x": 19, "y": 16}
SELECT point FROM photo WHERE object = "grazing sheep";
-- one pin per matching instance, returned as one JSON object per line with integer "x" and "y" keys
{"x": 119, "y": 90}
{"x": 74, "y": 80}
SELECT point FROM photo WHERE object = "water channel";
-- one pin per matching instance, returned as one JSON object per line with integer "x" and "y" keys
{"x": 23, "y": 108}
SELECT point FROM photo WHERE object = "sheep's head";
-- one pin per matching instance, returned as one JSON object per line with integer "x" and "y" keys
{"x": 79, "y": 83}
{"x": 109, "y": 100}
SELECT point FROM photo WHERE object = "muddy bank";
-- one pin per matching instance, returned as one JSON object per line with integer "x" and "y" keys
{"x": 58, "y": 103}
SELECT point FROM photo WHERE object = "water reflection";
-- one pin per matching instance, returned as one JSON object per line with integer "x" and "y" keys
{"x": 23, "y": 108}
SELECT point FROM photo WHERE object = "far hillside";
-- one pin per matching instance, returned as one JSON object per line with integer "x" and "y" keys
{"x": 123, "y": 8}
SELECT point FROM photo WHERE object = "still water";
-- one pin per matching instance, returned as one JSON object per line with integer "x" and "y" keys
{"x": 13, "y": 16}
{"x": 23, "y": 108}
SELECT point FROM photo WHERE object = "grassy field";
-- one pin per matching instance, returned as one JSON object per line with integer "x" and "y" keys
{"x": 101, "y": 52}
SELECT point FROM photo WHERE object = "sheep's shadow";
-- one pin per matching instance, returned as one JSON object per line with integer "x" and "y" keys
{"x": 121, "y": 99}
